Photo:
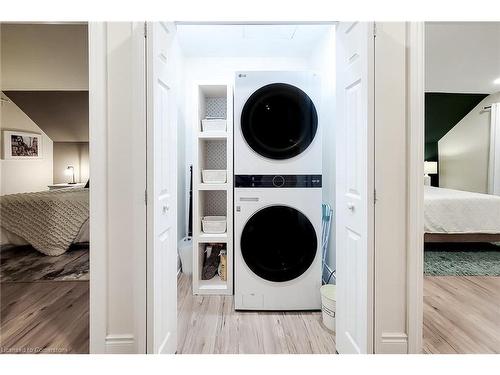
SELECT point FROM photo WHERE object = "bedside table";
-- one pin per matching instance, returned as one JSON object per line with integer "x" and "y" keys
{"x": 66, "y": 185}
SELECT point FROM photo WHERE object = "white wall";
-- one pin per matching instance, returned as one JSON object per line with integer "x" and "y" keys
{"x": 55, "y": 55}
{"x": 75, "y": 154}
{"x": 182, "y": 165}
{"x": 464, "y": 150}
{"x": 323, "y": 62}
{"x": 22, "y": 176}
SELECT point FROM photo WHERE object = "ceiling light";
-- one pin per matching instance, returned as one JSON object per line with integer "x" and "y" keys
{"x": 497, "y": 81}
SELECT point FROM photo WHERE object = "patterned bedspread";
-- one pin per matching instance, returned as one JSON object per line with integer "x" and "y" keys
{"x": 48, "y": 220}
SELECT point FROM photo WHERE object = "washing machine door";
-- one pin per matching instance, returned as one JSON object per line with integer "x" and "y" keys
{"x": 279, "y": 121}
{"x": 278, "y": 243}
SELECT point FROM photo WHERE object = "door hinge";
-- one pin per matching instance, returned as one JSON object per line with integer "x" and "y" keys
{"x": 374, "y": 196}
{"x": 145, "y": 29}
{"x": 374, "y": 29}
{"x": 146, "y": 197}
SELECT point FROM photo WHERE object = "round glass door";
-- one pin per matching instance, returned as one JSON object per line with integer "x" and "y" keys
{"x": 279, "y": 121}
{"x": 278, "y": 243}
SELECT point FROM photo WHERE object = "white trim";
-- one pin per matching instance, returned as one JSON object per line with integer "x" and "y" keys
{"x": 370, "y": 212}
{"x": 162, "y": 348}
{"x": 494, "y": 157}
{"x": 415, "y": 165}
{"x": 248, "y": 23}
{"x": 150, "y": 219}
{"x": 394, "y": 342}
{"x": 390, "y": 183}
{"x": 100, "y": 216}
{"x": 98, "y": 124}
{"x": 370, "y": 235}
{"x": 140, "y": 185}
{"x": 120, "y": 344}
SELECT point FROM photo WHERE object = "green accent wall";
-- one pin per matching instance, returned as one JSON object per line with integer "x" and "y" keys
{"x": 442, "y": 112}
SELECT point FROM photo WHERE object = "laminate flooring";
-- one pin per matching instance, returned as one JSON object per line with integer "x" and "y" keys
{"x": 461, "y": 314}
{"x": 210, "y": 325}
{"x": 44, "y": 317}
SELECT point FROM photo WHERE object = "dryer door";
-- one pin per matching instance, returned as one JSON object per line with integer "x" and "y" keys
{"x": 278, "y": 243}
{"x": 279, "y": 121}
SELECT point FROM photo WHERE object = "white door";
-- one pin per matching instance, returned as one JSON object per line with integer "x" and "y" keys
{"x": 355, "y": 187}
{"x": 161, "y": 193}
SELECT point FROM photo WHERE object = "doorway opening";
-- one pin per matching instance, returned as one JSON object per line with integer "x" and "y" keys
{"x": 44, "y": 222}
{"x": 461, "y": 201}
{"x": 220, "y": 141}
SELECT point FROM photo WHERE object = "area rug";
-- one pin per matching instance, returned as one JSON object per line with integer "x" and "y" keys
{"x": 462, "y": 260}
{"x": 25, "y": 264}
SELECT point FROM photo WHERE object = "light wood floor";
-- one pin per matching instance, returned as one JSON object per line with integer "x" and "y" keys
{"x": 209, "y": 325}
{"x": 44, "y": 316}
{"x": 461, "y": 314}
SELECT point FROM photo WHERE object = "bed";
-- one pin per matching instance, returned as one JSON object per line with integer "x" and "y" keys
{"x": 9, "y": 238}
{"x": 50, "y": 221}
{"x": 460, "y": 216}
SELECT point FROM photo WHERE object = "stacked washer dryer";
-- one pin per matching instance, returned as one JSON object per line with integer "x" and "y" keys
{"x": 277, "y": 196}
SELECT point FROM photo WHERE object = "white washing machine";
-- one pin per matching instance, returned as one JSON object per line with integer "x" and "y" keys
{"x": 277, "y": 228}
{"x": 276, "y": 123}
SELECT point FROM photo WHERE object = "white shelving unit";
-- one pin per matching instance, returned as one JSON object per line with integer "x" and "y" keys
{"x": 213, "y": 150}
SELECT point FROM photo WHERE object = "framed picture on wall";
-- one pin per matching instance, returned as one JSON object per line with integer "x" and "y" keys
{"x": 21, "y": 145}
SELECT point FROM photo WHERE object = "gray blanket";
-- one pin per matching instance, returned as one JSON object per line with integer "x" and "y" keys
{"x": 48, "y": 220}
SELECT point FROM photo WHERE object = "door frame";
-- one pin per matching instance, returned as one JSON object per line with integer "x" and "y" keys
{"x": 101, "y": 340}
{"x": 98, "y": 186}
{"x": 415, "y": 178}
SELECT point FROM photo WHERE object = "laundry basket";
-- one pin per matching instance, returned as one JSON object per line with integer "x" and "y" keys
{"x": 328, "y": 298}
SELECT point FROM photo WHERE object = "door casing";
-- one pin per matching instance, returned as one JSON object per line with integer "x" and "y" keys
{"x": 415, "y": 173}
{"x": 110, "y": 333}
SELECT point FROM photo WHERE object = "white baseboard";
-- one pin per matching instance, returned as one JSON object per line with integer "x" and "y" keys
{"x": 120, "y": 344}
{"x": 393, "y": 343}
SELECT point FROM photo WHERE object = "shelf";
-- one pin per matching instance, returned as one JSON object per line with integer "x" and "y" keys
{"x": 213, "y": 150}
{"x": 212, "y": 135}
{"x": 205, "y": 186}
{"x": 215, "y": 283}
{"x": 209, "y": 237}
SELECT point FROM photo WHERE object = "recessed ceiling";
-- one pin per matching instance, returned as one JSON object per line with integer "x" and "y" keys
{"x": 249, "y": 40}
{"x": 462, "y": 57}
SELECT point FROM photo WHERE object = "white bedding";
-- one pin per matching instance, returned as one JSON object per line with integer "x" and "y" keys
{"x": 455, "y": 212}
